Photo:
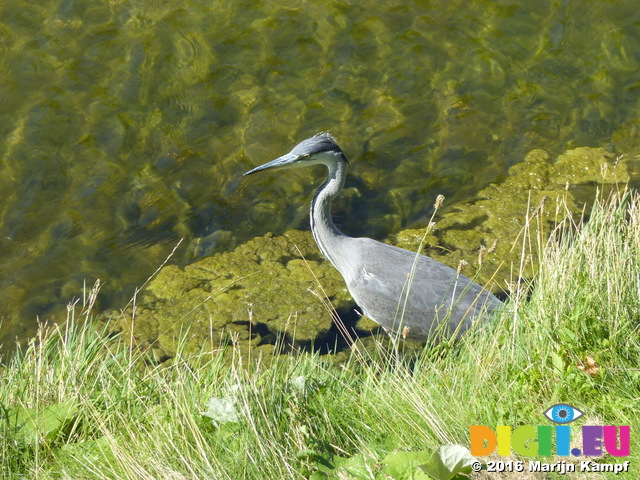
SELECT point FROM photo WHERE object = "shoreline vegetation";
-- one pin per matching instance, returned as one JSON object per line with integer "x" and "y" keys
{"x": 81, "y": 402}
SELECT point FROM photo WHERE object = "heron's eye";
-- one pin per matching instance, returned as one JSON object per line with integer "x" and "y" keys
{"x": 306, "y": 155}
{"x": 562, "y": 413}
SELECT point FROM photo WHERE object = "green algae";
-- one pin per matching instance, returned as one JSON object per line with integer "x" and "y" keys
{"x": 539, "y": 186}
{"x": 266, "y": 288}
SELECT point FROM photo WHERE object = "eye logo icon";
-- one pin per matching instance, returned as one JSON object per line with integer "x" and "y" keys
{"x": 562, "y": 413}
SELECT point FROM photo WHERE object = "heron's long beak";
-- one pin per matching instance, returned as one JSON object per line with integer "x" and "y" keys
{"x": 281, "y": 162}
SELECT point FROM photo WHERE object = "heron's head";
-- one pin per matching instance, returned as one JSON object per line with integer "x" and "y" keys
{"x": 321, "y": 148}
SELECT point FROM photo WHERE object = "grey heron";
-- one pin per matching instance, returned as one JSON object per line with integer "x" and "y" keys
{"x": 402, "y": 291}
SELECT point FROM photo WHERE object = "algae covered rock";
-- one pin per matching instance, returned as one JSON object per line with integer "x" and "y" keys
{"x": 518, "y": 213}
{"x": 268, "y": 287}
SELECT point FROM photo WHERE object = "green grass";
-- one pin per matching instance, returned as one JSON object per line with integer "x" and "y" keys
{"x": 78, "y": 404}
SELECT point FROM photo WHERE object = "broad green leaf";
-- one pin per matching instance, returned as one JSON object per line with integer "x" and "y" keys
{"x": 35, "y": 425}
{"x": 406, "y": 465}
{"x": 557, "y": 362}
{"x": 448, "y": 461}
{"x": 357, "y": 467}
{"x": 222, "y": 410}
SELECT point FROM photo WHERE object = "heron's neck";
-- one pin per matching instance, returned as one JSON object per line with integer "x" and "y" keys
{"x": 324, "y": 231}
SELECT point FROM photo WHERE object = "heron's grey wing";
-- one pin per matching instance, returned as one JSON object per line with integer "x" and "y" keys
{"x": 380, "y": 282}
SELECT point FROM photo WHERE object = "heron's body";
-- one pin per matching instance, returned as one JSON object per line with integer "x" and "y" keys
{"x": 378, "y": 275}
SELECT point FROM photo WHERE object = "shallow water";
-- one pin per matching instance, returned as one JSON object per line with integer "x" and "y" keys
{"x": 126, "y": 125}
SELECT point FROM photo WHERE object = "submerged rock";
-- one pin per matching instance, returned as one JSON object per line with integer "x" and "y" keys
{"x": 519, "y": 213}
{"x": 267, "y": 288}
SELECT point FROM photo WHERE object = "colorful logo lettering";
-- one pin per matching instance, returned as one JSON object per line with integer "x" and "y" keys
{"x": 530, "y": 440}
